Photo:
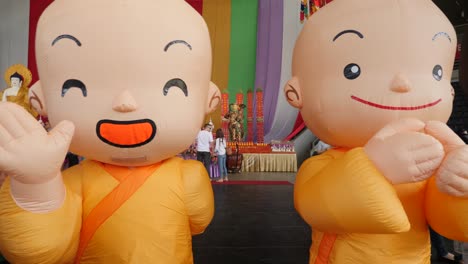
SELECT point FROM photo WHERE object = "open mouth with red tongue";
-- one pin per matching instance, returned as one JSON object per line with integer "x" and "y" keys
{"x": 126, "y": 134}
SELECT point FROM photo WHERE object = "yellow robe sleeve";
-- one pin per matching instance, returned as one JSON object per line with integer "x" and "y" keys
{"x": 447, "y": 215}
{"x": 53, "y": 237}
{"x": 198, "y": 195}
{"x": 345, "y": 193}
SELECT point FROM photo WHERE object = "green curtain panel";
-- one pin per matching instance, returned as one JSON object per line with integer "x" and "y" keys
{"x": 243, "y": 46}
{"x": 243, "y": 49}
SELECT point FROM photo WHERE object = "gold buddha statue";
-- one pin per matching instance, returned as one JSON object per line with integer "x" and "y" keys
{"x": 18, "y": 78}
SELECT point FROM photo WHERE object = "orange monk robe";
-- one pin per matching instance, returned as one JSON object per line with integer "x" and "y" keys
{"x": 155, "y": 225}
{"x": 358, "y": 217}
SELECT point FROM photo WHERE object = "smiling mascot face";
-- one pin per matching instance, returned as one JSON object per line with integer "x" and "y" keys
{"x": 359, "y": 65}
{"x": 138, "y": 93}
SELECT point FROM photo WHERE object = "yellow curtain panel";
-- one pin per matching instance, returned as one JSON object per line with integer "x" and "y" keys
{"x": 217, "y": 15}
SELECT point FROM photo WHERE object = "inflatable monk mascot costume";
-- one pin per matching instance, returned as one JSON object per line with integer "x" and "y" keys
{"x": 126, "y": 85}
{"x": 372, "y": 79}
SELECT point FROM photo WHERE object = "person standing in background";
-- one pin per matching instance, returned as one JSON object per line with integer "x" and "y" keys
{"x": 204, "y": 145}
{"x": 220, "y": 150}
{"x": 443, "y": 254}
{"x": 319, "y": 147}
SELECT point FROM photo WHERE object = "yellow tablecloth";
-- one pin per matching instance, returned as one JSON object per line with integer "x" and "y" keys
{"x": 270, "y": 162}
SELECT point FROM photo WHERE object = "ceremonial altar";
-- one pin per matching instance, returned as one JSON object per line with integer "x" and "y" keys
{"x": 269, "y": 162}
{"x": 261, "y": 157}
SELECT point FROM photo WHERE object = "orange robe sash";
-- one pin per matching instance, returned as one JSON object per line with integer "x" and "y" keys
{"x": 130, "y": 181}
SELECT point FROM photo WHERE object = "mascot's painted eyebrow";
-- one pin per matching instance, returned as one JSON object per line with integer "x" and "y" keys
{"x": 65, "y": 36}
{"x": 177, "y": 42}
{"x": 443, "y": 34}
{"x": 349, "y": 31}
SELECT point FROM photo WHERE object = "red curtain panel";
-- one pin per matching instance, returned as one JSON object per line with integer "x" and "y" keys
{"x": 36, "y": 7}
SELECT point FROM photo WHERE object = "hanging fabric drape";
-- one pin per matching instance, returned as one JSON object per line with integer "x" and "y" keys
{"x": 36, "y": 9}
{"x": 217, "y": 15}
{"x": 299, "y": 125}
{"x": 284, "y": 114}
{"x": 197, "y": 5}
{"x": 269, "y": 55}
{"x": 243, "y": 48}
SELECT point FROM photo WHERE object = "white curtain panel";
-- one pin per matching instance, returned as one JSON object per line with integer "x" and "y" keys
{"x": 14, "y": 34}
{"x": 285, "y": 115}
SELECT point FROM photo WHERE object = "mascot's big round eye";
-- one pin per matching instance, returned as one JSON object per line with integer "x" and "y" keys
{"x": 352, "y": 71}
{"x": 438, "y": 72}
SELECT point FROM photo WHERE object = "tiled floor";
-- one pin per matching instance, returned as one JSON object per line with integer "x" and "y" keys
{"x": 255, "y": 224}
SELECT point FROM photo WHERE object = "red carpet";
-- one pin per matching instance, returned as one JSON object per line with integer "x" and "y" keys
{"x": 253, "y": 183}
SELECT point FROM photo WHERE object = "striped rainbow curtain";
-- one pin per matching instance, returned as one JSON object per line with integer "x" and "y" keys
{"x": 233, "y": 31}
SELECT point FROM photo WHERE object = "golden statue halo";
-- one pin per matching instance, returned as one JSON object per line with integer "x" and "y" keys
{"x": 21, "y": 70}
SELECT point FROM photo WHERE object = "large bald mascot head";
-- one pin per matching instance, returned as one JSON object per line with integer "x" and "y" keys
{"x": 359, "y": 65}
{"x": 136, "y": 89}
{"x": 372, "y": 78}
{"x": 127, "y": 83}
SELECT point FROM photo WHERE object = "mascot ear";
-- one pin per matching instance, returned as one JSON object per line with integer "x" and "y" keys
{"x": 36, "y": 99}
{"x": 214, "y": 98}
{"x": 292, "y": 91}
